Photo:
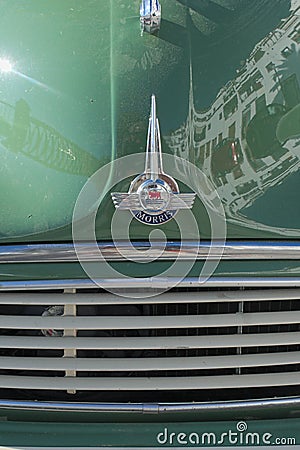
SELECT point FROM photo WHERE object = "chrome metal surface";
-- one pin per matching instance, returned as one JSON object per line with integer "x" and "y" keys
{"x": 158, "y": 408}
{"x": 153, "y": 196}
{"x": 142, "y": 251}
{"x": 150, "y": 16}
{"x": 151, "y": 283}
{"x": 153, "y": 165}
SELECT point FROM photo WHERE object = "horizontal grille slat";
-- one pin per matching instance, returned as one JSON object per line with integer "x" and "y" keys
{"x": 157, "y": 383}
{"x": 138, "y": 322}
{"x": 142, "y": 343}
{"x": 37, "y": 298}
{"x": 146, "y": 364}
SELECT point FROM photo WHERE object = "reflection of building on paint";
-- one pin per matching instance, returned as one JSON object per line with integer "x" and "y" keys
{"x": 242, "y": 141}
{"x": 295, "y": 4}
{"x": 20, "y": 133}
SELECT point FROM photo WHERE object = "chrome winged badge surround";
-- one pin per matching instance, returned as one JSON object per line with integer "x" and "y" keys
{"x": 153, "y": 196}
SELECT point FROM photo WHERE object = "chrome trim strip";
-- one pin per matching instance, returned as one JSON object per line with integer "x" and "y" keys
{"x": 150, "y": 283}
{"x": 150, "y": 408}
{"x": 121, "y": 251}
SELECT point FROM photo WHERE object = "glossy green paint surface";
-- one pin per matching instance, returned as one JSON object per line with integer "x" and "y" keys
{"x": 138, "y": 435}
{"x": 53, "y": 136}
{"x": 230, "y": 269}
{"x": 78, "y": 97}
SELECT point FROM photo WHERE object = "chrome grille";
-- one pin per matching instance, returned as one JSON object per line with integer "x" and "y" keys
{"x": 189, "y": 340}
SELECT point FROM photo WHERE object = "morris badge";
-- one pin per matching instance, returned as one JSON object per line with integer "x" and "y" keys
{"x": 153, "y": 197}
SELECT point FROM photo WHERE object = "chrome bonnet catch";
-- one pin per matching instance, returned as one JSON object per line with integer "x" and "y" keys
{"x": 150, "y": 16}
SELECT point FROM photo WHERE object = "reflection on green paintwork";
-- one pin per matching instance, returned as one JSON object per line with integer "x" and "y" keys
{"x": 21, "y": 133}
{"x": 226, "y": 157}
{"x": 288, "y": 126}
{"x": 258, "y": 109}
{"x": 37, "y": 194}
{"x": 223, "y": 72}
{"x": 261, "y": 132}
{"x": 55, "y": 118}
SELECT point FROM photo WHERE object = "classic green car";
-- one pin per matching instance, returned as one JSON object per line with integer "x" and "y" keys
{"x": 149, "y": 223}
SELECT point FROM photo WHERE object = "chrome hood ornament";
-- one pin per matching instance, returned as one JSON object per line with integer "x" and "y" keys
{"x": 150, "y": 16}
{"x": 153, "y": 196}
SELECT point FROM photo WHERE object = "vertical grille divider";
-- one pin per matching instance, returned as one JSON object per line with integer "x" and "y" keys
{"x": 70, "y": 310}
{"x": 197, "y": 352}
{"x": 239, "y": 350}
